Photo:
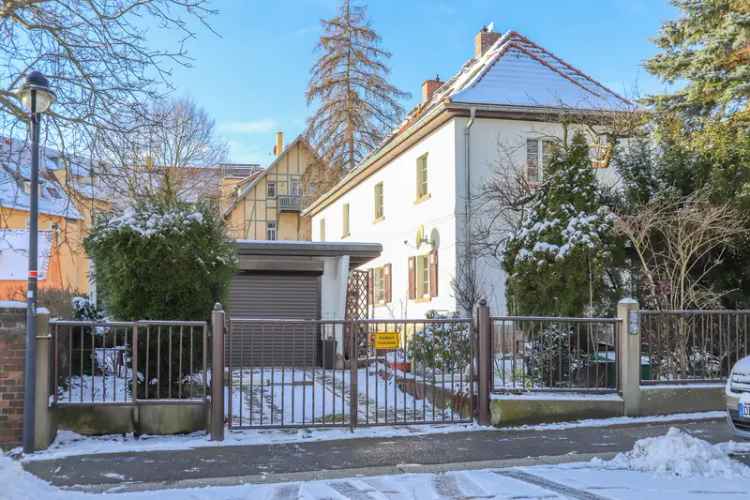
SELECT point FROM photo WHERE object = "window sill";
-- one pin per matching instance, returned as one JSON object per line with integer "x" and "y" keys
{"x": 423, "y": 300}
{"x": 378, "y": 219}
{"x": 423, "y": 198}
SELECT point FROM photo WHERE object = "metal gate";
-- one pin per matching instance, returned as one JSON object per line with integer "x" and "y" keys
{"x": 397, "y": 372}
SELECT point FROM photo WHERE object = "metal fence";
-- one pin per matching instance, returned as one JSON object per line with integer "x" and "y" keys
{"x": 692, "y": 346}
{"x": 363, "y": 372}
{"x": 113, "y": 362}
{"x": 537, "y": 353}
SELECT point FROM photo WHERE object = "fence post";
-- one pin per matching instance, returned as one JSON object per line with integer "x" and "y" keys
{"x": 44, "y": 426}
{"x": 353, "y": 367}
{"x": 217, "y": 374}
{"x": 484, "y": 354}
{"x": 629, "y": 354}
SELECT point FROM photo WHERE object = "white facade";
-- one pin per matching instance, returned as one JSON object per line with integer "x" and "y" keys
{"x": 494, "y": 144}
{"x": 401, "y": 219}
{"x": 503, "y": 100}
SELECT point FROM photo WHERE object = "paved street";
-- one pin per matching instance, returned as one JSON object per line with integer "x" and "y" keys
{"x": 328, "y": 459}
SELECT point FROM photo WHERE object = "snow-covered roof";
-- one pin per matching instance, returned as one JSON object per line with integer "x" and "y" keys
{"x": 14, "y": 253}
{"x": 514, "y": 73}
{"x": 15, "y": 173}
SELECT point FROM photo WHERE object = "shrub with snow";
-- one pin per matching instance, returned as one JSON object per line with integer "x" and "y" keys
{"x": 159, "y": 261}
{"x": 442, "y": 346}
{"x": 562, "y": 256}
{"x": 84, "y": 309}
{"x": 678, "y": 454}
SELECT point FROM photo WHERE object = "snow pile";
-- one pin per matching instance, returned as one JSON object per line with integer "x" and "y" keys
{"x": 20, "y": 485}
{"x": 678, "y": 454}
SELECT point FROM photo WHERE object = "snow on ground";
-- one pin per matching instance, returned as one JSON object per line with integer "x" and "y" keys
{"x": 678, "y": 454}
{"x": 671, "y": 467}
{"x": 69, "y": 443}
{"x": 307, "y": 396}
{"x": 546, "y": 395}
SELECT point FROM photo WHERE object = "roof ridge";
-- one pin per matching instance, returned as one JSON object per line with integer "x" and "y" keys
{"x": 573, "y": 68}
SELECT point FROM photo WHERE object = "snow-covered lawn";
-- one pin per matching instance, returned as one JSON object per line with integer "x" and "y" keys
{"x": 671, "y": 467}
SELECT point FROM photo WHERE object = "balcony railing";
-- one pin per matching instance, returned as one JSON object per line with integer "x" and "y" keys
{"x": 289, "y": 203}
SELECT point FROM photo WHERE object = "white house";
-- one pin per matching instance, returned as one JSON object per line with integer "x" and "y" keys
{"x": 411, "y": 195}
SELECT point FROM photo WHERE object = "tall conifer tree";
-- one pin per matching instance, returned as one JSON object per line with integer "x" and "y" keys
{"x": 709, "y": 48}
{"x": 357, "y": 106}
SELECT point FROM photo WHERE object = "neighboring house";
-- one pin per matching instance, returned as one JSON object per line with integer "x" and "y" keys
{"x": 68, "y": 199}
{"x": 267, "y": 204}
{"x": 413, "y": 193}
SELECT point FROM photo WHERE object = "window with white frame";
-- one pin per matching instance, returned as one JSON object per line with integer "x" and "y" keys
{"x": 379, "y": 200}
{"x": 378, "y": 285}
{"x": 345, "y": 223}
{"x": 271, "y": 190}
{"x": 271, "y": 231}
{"x": 539, "y": 153}
{"x": 423, "y": 276}
{"x": 422, "y": 181}
{"x": 294, "y": 188}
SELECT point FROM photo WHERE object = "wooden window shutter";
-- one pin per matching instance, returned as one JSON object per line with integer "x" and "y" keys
{"x": 412, "y": 278}
{"x": 371, "y": 286}
{"x": 387, "y": 282}
{"x": 433, "y": 273}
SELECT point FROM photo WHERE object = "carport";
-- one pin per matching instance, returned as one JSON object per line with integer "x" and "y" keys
{"x": 290, "y": 280}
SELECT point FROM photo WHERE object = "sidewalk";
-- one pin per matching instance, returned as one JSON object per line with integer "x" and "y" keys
{"x": 368, "y": 456}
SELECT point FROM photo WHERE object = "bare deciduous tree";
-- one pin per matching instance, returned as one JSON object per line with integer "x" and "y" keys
{"x": 98, "y": 60}
{"x": 170, "y": 156}
{"x": 678, "y": 244}
{"x": 357, "y": 104}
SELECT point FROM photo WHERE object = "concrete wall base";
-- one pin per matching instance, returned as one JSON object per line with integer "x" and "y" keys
{"x": 150, "y": 418}
{"x": 666, "y": 399}
{"x": 521, "y": 410}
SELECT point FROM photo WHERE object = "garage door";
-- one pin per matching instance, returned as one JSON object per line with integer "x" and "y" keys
{"x": 274, "y": 296}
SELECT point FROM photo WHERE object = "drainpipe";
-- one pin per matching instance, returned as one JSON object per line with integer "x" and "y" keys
{"x": 467, "y": 176}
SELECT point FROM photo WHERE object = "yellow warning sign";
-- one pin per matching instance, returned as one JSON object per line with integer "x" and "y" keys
{"x": 387, "y": 340}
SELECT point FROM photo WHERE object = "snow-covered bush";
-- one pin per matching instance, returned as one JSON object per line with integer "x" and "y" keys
{"x": 84, "y": 309}
{"x": 558, "y": 261}
{"x": 162, "y": 262}
{"x": 442, "y": 346}
{"x": 156, "y": 261}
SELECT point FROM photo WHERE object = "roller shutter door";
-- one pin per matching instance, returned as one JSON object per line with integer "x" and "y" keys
{"x": 274, "y": 296}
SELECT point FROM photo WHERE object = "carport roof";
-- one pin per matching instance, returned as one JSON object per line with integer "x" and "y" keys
{"x": 359, "y": 253}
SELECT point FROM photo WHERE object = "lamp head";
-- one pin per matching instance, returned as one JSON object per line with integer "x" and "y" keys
{"x": 36, "y": 83}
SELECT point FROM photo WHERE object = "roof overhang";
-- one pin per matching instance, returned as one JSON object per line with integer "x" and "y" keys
{"x": 359, "y": 253}
{"x": 434, "y": 119}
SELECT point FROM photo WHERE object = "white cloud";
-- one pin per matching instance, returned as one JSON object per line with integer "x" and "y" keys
{"x": 248, "y": 127}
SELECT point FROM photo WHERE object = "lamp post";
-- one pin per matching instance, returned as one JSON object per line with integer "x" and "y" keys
{"x": 37, "y": 98}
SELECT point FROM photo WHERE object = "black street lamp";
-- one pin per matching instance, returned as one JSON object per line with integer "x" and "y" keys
{"x": 37, "y": 98}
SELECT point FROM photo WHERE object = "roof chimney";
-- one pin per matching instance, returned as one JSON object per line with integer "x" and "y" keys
{"x": 484, "y": 39}
{"x": 429, "y": 87}
{"x": 279, "y": 147}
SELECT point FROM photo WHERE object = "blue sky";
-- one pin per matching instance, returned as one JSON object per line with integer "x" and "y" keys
{"x": 252, "y": 78}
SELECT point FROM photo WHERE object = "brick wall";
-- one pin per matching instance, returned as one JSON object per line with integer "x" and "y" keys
{"x": 12, "y": 349}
